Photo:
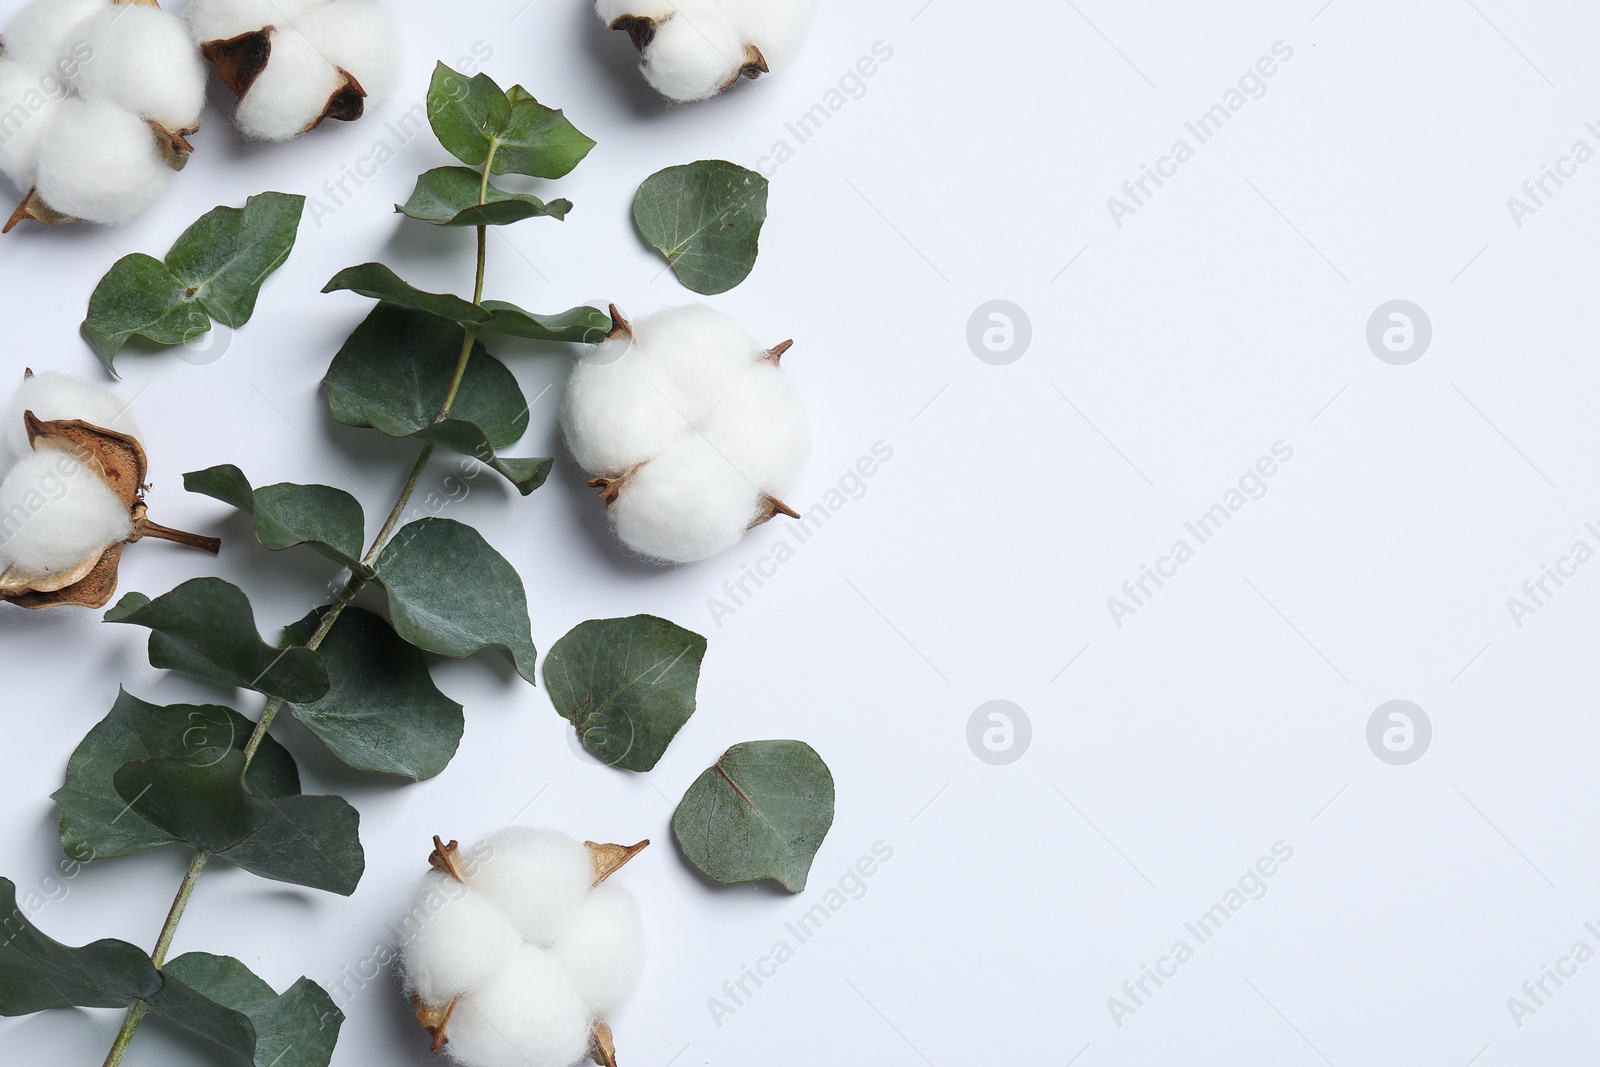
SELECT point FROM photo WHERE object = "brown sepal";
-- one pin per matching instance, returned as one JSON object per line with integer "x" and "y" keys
{"x": 640, "y": 30}
{"x": 33, "y": 207}
{"x": 116, "y": 457}
{"x": 604, "y": 1046}
{"x": 620, "y": 327}
{"x": 609, "y": 859}
{"x": 771, "y": 508}
{"x": 240, "y": 60}
{"x": 447, "y": 858}
{"x": 775, "y": 353}
{"x": 93, "y": 590}
{"x": 174, "y": 144}
{"x": 755, "y": 64}
{"x": 611, "y": 488}
{"x": 347, "y": 103}
{"x": 435, "y": 1020}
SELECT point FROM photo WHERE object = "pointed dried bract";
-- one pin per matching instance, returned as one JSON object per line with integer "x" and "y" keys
{"x": 447, "y": 858}
{"x": 436, "y": 1021}
{"x": 93, "y": 590}
{"x": 609, "y": 859}
{"x": 239, "y": 60}
{"x": 347, "y": 104}
{"x": 604, "y": 1051}
{"x": 771, "y": 508}
{"x": 640, "y": 30}
{"x": 775, "y": 353}
{"x": 116, "y": 457}
{"x": 33, "y": 207}
{"x": 174, "y": 145}
{"x": 620, "y": 327}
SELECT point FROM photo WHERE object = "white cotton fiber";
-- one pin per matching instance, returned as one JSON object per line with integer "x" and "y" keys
{"x": 702, "y": 350}
{"x": 762, "y": 421}
{"x": 223, "y": 20}
{"x": 458, "y": 939}
{"x": 101, "y": 163}
{"x": 144, "y": 62}
{"x": 528, "y": 1015}
{"x": 52, "y": 397}
{"x": 55, "y": 513}
{"x": 621, "y": 407}
{"x": 29, "y": 103}
{"x": 537, "y": 877}
{"x": 292, "y": 92}
{"x": 687, "y": 504}
{"x": 777, "y": 27}
{"x": 694, "y": 54}
{"x": 40, "y": 32}
{"x": 360, "y": 38}
{"x": 603, "y": 950}
{"x": 612, "y": 10}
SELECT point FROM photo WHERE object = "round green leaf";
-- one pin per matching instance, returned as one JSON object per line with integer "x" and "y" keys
{"x": 448, "y": 196}
{"x": 219, "y": 998}
{"x": 706, "y": 219}
{"x": 328, "y": 520}
{"x": 37, "y": 973}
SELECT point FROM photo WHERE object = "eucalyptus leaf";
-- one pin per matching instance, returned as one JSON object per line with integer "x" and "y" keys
{"x": 538, "y": 141}
{"x": 474, "y": 119}
{"x": 380, "y": 283}
{"x": 382, "y": 713}
{"x": 706, "y": 219}
{"x": 581, "y": 325}
{"x": 761, "y": 811}
{"x": 219, "y": 998}
{"x": 214, "y": 270}
{"x": 466, "y": 113}
{"x": 450, "y": 593}
{"x": 200, "y": 799}
{"x": 206, "y": 627}
{"x": 626, "y": 685}
{"x": 37, "y": 973}
{"x": 327, "y": 520}
{"x": 450, "y": 196}
{"x": 96, "y": 823}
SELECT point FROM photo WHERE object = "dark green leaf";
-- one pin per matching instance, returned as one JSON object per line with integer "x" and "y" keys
{"x": 224, "y": 258}
{"x": 706, "y": 219}
{"x": 450, "y": 593}
{"x": 627, "y": 685}
{"x": 383, "y": 713}
{"x": 582, "y": 325}
{"x": 309, "y": 841}
{"x": 207, "y": 627}
{"x": 140, "y": 297}
{"x": 37, "y": 973}
{"x": 466, "y": 113}
{"x": 95, "y": 820}
{"x": 328, "y": 520}
{"x": 760, "y": 812}
{"x": 473, "y": 119}
{"x": 380, "y": 283}
{"x": 448, "y": 196}
{"x": 218, "y": 998}
{"x": 538, "y": 141}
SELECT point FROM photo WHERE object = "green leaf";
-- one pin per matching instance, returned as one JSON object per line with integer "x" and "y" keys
{"x": 383, "y": 713}
{"x": 473, "y": 119}
{"x": 224, "y": 258}
{"x": 706, "y": 219}
{"x": 214, "y": 270}
{"x": 380, "y": 283}
{"x": 96, "y": 822}
{"x": 760, "y": 812}
{"x": 37, "y": 973}
{"x": 309, "y": 841}
{"x": 327, "y": 520}
{"x": 206, "y": 627}
{"x": 581, "y": 325}
{"x": 219, "y": 998}
{"x": 140, "y": 297}
{"x": 450, "y": 593}
{"x": 627, "y": 685}
{"x": 448, "y": 196}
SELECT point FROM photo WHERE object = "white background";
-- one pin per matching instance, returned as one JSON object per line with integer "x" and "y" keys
{"x": 1229, "y": 313}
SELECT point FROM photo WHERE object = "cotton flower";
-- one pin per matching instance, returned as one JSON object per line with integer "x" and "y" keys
{"x": 689, "y": 427}
{"x": 295, "y": 63}
{"x": 99, "y": 99}
{"x": 694, "y": 49}
{"x": 518, "y": 949}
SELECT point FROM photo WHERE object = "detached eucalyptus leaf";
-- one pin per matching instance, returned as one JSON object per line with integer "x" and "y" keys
{"x": 199, "y": 799}
{"x": 580, "y": 325}
{"x": 473, "y": 117}
{"x": 37, "y": 973}
{"x": 380, "y": 283}
{"x": 215, "y": 270}
{"x": 219, "y": 998}
{"x": 761, "y": 811}
{"x": 452, "y": 594}
{"x": 206, "y": 627}
{"x": 382, "y": 713}
{"x": 626, "y": 685}
{"x": 449, "y": 196}
{"x": 96, "y": 823}
{"x": 327, "y": 520}
{"x": 706, "y": 219}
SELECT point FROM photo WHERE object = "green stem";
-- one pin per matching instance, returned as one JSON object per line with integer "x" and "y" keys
{"x": 180, "y": 903}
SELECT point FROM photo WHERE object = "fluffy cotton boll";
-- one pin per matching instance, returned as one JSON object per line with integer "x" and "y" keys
{"x": 621, "y": 407}
{"x": 528, "y": 1015}
{"x": 43, "y": 29}
{"x": 292, "y": 92}
{"x": 776, "y": 27}
{"x": 101, "y": 163}
{"x": 700, "y": 349}
{"x": 761, "y": 423}
{"x": 537, "y": 877}
{"x": 359, "y": 37}
{"x": 603, "y": 950}
{"x": 459, "y": 939}
{"x": 58, "y": 514}
{"x": 51, "y": 397}
{"x": 223, "y": 20}
{"x": 144, "y": 62}
{"x": 29, "y": 103}
{"x": 687, "y": 504}
{"x": 694, "y": 54}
